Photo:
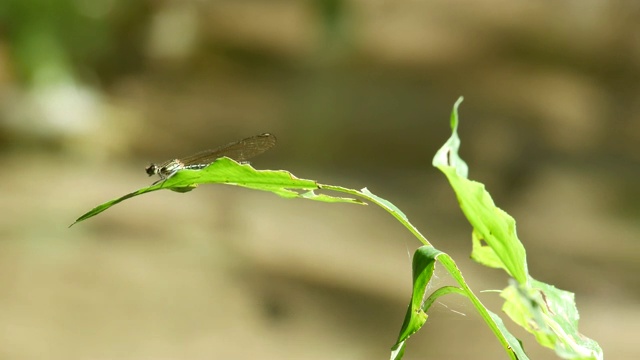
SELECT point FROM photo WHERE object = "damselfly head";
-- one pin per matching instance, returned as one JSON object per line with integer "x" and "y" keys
{"x": 152, "y": 169}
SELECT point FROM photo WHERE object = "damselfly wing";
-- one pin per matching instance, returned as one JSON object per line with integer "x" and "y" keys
{"x": 240, "y": 151}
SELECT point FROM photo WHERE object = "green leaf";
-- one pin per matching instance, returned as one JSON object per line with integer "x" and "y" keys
{"x": 490, "y": 224}
{"x": 551, "y": 316}
{"x": 227, "y": 171}
{"x": 548, "y": 313}
{"x": 483, "y": 253}
{"x": 424, "y": 261}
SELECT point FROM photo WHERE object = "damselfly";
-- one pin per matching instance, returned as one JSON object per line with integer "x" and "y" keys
{"x": 241, "y": 150}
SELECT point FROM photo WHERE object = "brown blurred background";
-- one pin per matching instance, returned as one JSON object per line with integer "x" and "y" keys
{"x": 359, "y": 94}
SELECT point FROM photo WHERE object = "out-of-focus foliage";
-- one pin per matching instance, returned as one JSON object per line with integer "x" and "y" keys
{"x": 51, "y": 40}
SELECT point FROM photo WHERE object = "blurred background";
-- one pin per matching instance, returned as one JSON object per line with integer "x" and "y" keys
{"x": 359, "y": 94}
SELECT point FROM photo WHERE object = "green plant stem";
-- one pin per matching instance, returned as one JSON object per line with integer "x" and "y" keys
{"x": 444, "y": 259}
{"x": 385, "y": 204}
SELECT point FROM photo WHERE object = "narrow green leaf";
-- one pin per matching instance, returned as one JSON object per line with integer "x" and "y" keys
{"x": 448, "y": 155}
{"x": 424, "y": 260}
{"x": 516, "y": 345}
{"x": 227, "y": 171}
{"x": 102, "y": 207}
{"x": 393, "y": 210}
